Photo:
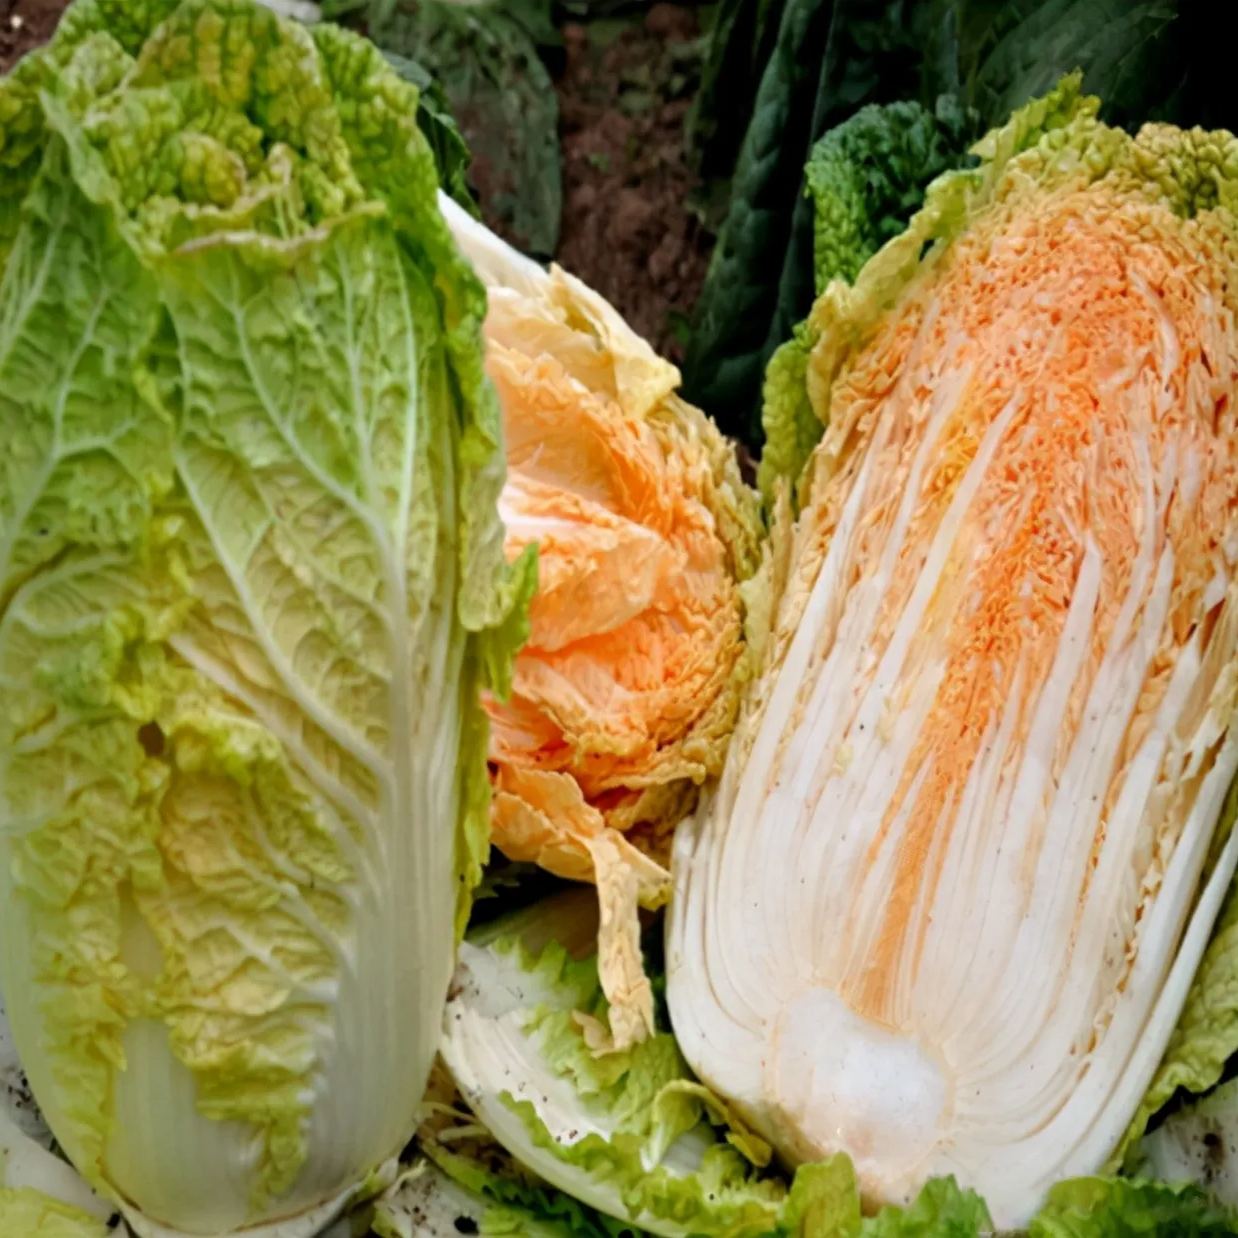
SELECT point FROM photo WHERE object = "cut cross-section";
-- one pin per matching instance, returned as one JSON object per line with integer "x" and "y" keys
{"x": 942, "y": 910}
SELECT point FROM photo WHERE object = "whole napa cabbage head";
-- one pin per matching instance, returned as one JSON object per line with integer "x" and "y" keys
{"x": 252, "y": 583}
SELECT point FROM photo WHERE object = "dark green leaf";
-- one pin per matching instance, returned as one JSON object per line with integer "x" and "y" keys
{"x": 830, "y": 56}
{"x": 434, "y": 119}
{"x": 867, "y": 176}
{"x": 485, "y": 57}
{"x": 1130, "y": 50}
{"x": 337, "y": 10}
{"x": 741, "y": 43}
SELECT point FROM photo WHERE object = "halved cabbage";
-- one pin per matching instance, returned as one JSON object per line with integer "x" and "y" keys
{"x": 944, "y": 907}
{"x": 625, "y": 694}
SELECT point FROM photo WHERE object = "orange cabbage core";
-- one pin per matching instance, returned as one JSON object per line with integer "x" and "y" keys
{"x": 1084, "y": 366}
{"x": 635, "y": 627}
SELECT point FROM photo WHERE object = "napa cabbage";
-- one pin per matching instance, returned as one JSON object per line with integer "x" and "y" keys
{"x": 945, "y": 906}
{"x": 624, "y": 696}
{"x": 252, "y": 583}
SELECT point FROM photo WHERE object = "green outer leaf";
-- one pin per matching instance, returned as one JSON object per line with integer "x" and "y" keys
{"x": 867, "y": 176}
{"x": 21, "y": 128}
{"x": 392, "y": 162}
{"x": 660, "y": 1151}
{"x": 513, "y": 1193}
{"x": 791, "y": 425}
{"x": 500, "y": 1220}
{"x": 824, "y": 1201}
{"x": 22, "y": 131}
{"x": 1196, "y": 1142}
{"x": 95, "y": 292}
{"x": 941, "y": 1210}
{"x": 1129, "y": 1208}
{"x": 427, "y": 1203}
{"x": 381, "y": 133}
{"x": 1206, "y": 1035}
{"x": 637, "y": 1096}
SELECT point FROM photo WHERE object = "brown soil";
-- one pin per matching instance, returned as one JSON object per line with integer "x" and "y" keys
{"x": 25, "y": 24}
{"x": 628, "y": 229}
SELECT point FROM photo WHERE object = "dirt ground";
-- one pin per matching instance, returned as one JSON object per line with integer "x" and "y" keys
{"x": 624, "y": 87}
{"x": 628, "y": 227}
{"x": 25, "y": 24}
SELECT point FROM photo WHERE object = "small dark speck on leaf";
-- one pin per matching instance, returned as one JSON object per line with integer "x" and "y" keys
{"x": 151, "y": 737}
{"x": 466, "y": 1225}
